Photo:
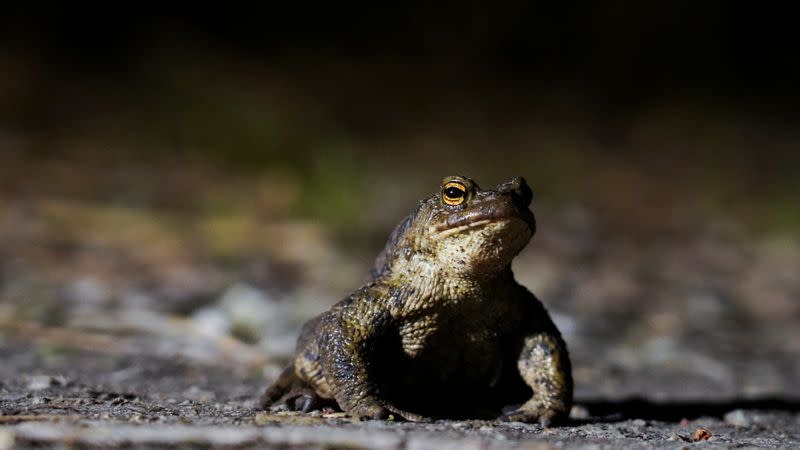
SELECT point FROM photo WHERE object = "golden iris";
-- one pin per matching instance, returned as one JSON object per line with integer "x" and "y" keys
{"x": 454, "y": 193}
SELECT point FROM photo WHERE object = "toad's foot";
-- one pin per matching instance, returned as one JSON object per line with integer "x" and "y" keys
{"x": 303, "y": 400}
{"x": 533, "y": 412}
{"x": 380, "y": 411}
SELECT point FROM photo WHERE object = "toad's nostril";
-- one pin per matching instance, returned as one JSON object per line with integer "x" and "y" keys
{"x": 520, "y": 188}
{"x": 524, "y": 191}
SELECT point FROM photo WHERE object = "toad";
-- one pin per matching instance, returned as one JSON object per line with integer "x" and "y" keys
{"x": 442, "y": 329}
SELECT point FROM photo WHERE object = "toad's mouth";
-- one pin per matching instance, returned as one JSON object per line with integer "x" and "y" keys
{"x": 459, "y": 223}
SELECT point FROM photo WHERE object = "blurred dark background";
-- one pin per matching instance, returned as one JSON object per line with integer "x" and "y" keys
{"x": 692, "y": 94}
{"x": 236, "y": 172}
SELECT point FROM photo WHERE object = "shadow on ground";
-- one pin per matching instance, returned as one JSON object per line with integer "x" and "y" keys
{"x": 676, "y": 411}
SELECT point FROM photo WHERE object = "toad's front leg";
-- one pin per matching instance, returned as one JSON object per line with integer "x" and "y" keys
{"x": 348, "y": 343}
{"x": 544, "y": 365}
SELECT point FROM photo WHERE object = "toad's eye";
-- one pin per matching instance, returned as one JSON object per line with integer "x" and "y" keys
{"x": 454, "y": 193}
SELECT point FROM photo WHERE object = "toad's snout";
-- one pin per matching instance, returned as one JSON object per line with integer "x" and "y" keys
{"x": 521, "y": 196}
{"x": 519, "y": 190}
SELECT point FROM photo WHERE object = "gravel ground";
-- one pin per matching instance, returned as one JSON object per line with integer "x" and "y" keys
{"x": 91, "y": 400}
{"x": 148, "y": 327}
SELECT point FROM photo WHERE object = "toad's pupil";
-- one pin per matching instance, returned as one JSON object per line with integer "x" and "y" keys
{"x": 453, "y": 192}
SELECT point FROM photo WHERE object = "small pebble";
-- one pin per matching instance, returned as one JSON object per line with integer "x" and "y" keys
{"x": 39, "y": 382}
{"x": 677, "y": 437}
{"x": 211, "y": 321}
{"x": 701, "y": 434}
{"x": 250, "y": 311}
{"x": 579, "y": 412}
{"x": 737, "y": 418}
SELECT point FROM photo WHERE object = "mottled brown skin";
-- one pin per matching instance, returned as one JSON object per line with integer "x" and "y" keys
{"x": 442, "y": 330}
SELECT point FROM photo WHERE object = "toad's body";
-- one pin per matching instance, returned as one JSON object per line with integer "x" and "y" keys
{"x": 443, "y": 329}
